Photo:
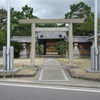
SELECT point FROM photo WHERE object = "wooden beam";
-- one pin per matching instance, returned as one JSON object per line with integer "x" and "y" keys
{"x": 52, "y": 29}
{"x": 30, "y": 21}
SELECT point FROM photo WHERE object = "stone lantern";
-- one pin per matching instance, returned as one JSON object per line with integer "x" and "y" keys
{"x": 23, "y": 53}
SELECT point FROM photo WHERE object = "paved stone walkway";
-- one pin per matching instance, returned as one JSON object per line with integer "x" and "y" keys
{"x": 52, "y": 71}
{"x": 51, "y": 62}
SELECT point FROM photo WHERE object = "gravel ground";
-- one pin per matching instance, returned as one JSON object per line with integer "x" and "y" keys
{"x": 24, "y": 64}
{"x": 78, "y": 71}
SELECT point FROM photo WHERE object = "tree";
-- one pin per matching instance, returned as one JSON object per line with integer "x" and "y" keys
{"x": 81, "y": 10}
{"x": 1, "y": 18}
{"x": 17, "y": 29}
{"x": 38, "y": 48}
{"x": 3, "y": 28}
{"x": 47, "y": 25}
{"x": 61, "y": 47}
{"x": 2, "y": 38}
{"x": 17, "y": 48}
{"x": 87, "y": 28}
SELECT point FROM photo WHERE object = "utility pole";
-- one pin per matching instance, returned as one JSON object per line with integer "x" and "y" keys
{"x": 95, "y": 50}
{"x": 8, "y": 35}
{"x": 95, "y": 35}
{"x": 8, "y": 51}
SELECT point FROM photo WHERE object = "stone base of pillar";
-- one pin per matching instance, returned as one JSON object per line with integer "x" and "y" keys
{"x": 76, "y": 56}
{"x": 93, "y": 67}
{"x": 92, "y": 71}
{"x": 9, "y": 71}
{"x": 23, "y": 56}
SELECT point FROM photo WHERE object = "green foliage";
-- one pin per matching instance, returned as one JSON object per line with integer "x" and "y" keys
{"x": 3, "y": 28}
{"x": 47, "y": 25}
{"x": 38, "y": 48}
{"x": 1, "y": 17}
{"x": 61, "y": 47}
{"x": 17, "y": 48}
{"x": 17, "y": 45}
{"x": 2, "y": 38}
{"x": 99, "y": 25}
{"x": 81, "y": 10}
{"x": 87, "y": 28}
{"x": 21, "y": 29}
{"x": 17, "y": 29}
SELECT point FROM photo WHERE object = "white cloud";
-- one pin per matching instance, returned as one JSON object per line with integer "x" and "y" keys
{"x": 17, "y": 4}
{"x": 3, "y": 3}
{"x": 56, "y": 8}
{"x": 47, "y": 8}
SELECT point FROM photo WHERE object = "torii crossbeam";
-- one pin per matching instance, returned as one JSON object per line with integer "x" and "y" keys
{"x": 30, "y": 21}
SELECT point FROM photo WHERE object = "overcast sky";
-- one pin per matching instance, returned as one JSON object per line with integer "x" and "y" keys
{"x": 47, "y": 8}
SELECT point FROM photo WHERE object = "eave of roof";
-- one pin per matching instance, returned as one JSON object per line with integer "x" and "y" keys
{"x": 21, "y": 39}
{"x": 92, "y": 37}
{"x": 27, "y": 39}
{"x": 81, "y": 39}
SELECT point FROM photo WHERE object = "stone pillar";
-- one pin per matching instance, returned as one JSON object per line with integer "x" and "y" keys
{"x": 70, "y": 44}
{"x": 32, "y": 54}
{"x": 76, "y": 51}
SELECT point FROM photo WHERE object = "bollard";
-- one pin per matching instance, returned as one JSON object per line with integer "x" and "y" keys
{"x": 99, "y": 58}
{"x": 11, "y": 58}
{"x": 4, "y": 58}
{"x": 92, "y": 59}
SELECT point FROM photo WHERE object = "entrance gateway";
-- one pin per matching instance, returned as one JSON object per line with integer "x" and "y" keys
{"x": 34, "y": 29}
{"x": 48, "y": 40}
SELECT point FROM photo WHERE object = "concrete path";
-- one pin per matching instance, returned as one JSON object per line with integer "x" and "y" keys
{"x": 52, "y": 71}
{"x": 51, "y": 62}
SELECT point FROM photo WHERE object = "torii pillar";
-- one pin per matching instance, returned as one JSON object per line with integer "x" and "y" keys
{"x": 71, "y": 44}
{"x": 32, "y": 54}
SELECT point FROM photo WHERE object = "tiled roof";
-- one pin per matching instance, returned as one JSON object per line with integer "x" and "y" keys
{"x": 51, "y": 35}
{"x": 21, "y": 39}
{"x": 79, "y": 39}
{"x": 40, "y": 35}
{"x": 92, "y": 37}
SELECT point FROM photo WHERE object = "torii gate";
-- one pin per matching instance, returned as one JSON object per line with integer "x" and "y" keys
{"x": 34, "y": 29}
